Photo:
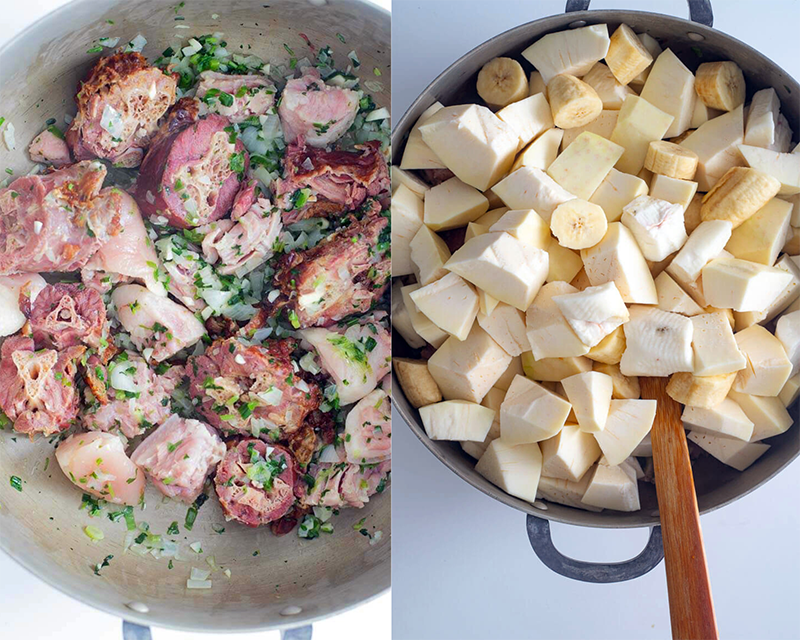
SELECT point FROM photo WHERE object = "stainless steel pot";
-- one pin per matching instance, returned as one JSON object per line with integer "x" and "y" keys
{"x": 290, "y": 581}
{"x": 717, "y": 484}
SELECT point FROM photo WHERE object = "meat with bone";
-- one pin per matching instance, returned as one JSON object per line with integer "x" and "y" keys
{"x": 343, "y": 484}
{"x": 37, "y": 388}
{"x": 49, "y": 222}
{"x": 243, "y": 245}
{"x": 96, "y": 462}
{"x": 191, "y": 176}
{"x": 255, "y": 482}
{"x": 50, "y": 149}
{"x": 66, "y": 315}
{"x": 130, "y": 252}
{"x": 155, "y": 322}
{"x": 368, "y": 429}
{"x": 235, "y": 97}
{"x": 318, "y": 112}
{"x": 339, "y": 180}
{"x": 119, "y": 105}
{"x": 178, "y": 457}
{"x": 251, "y": 389}
{"x": 17, "y": 292}
{"x": 356, "y": 357}
{"x": 136, "y": 397}
{"x": 343, "y": 275}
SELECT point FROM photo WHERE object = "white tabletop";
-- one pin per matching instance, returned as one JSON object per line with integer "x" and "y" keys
{"x": 22, "y": 594}
{"x": 463, "y": 568}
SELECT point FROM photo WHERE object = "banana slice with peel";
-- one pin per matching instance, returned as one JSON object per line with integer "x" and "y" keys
{"x": 720, "y": 85}
{"x": 578, "y": 224}
{"x": 627, "y": 57}
{"x": 738, "y": 195}
{"x": 670, "y": 159}
{"x": 700, "y": 391}
{"x": 502, "y": 81}
{"x": 573, "y": 103}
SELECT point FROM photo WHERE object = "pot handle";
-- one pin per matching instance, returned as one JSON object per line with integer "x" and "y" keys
{"x": 133, "y": 631}
{"x": 297, "y": 633}
{"x": 600, "y": 572}
{"x": 699, "y": 10}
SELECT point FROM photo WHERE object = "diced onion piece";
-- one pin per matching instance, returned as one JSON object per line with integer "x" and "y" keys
{"x": 198, "y": 584}
{"x": 121, "y": 380}
{"x": 308, "y": 363}
{"x": 273, "y": 295}
{"x": 8, "y": 136}
{"x": 329, "y": 454}
{"x": 196, "y": 547}
{"x": 199, "y": 574}
{"x": 111, "y": 121}
{"x": 137, "y": 44}
{"x": 378, "y": 114}
{"x": 271, "y": 396}
{"x": 323, "y": 513}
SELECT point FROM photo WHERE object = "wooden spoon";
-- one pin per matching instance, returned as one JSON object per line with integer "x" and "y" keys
{"x": 691, "y": 608}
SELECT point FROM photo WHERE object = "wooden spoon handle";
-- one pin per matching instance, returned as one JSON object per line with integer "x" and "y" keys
{"x": 691, "y": 607}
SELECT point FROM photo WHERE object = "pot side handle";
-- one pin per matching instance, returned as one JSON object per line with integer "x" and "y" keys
{"x": 599, "y": 572}
{"x": 699, "y": 10}
{"x": 133, "y": 631}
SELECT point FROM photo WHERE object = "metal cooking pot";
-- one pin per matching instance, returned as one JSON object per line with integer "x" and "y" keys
{"x": 716, "y": 484}
{"x": 290, "y": 581}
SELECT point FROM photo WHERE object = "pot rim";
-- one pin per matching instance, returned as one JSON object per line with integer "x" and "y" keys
{"x": 399, "y": 133}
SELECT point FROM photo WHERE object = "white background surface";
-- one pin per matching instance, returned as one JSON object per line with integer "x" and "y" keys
{"x": 463, "y": 567}
{"x": 24, "y": 598}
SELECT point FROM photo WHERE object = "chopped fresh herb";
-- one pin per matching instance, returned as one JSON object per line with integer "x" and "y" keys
{"x": 56, "y": 132}
{"x": 16, "y": 483}
{"x": 171, "y": 446}
{"x": 237, "y": 162}
{"x": 341, "y": 37}
{"x": 95, "y": 49}
{"x": 293, "y": 319}
{"x": 173, "y": 528}
{"x": 102, "y": 565}
{"x": 241, "y": 91}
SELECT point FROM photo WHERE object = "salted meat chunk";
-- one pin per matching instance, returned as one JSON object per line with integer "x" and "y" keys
{"x": 49, "y": 222}
{"x": 178, "y": 457}
{"x": 37, "y": 388}
{"x": 355, "y": 357}
{"x": 156, "y": 322}
{"x": 345, "y": 274}
{"x": 256, "y": 482}
{"x": 251, "y": 390}
{"x": 368, "y": 429}
{"x": 318, "y": 112}
{"x": 65, "y": 315}
{"x": 191, "y": 176}
{"x": 50, "y": 149}
{"x": 97, "y": 464}
{"x": 119, "y": 104}
{"x": 237, "y": 97}
{"x": 336, "y": 181}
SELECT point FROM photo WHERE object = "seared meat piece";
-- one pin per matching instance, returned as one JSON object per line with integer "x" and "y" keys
{"x": 50, "y": 149}
{"x": 368, "y": 429}
{"x": 251, "y": 389}
{"x": 343, "y": 484}
{"x": 343, "y": 275}
{"x": 247, "y": 96}
{"x": 155, "y": 322}
{"x": 288, "y": 522}
{"x": 37, "y": 388}
{"x": 17, "y": 293}
{"x": 119, "y": 105}
{"x": 339, "y": 180}
{"x": 221, "y": 327}
{"x": 130, "y": 252}
{"x": 49, "y": 222}
{"x": 96, "y": 462}
{"x": 316, "y": 111}
{"x": 248, "y": 194}
{"x": 303, "y": 444}
{"x": 137, "y": 398}
{"x": 182, "y": 265}
{"x": 436, "y": 176}
{"x": 179, "y": 456}
{"x": 65, "y": 315}
{"x": 191, "y": 176}
{"x": 255, "y": 482}
{"x": 356, "y": 357}
{"x": 184, "y": 112}
{"x": 243, "y": 245}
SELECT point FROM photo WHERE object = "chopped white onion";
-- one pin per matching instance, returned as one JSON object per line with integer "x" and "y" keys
{"x": 198, "y": 584}
{"x": 137, "y": 44}
{"x": 271, "y": 396}
{"x": 378, "y": 114}
{"x": 37, "y": 227}
{"x": 273, "y": 295}
{"x": 111, "y": 121}
{"x": 329, "y": 454}
{"x": 199, "y": 574}
{"x": 8, "y": 136}
{"x": 120, "y": 380}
